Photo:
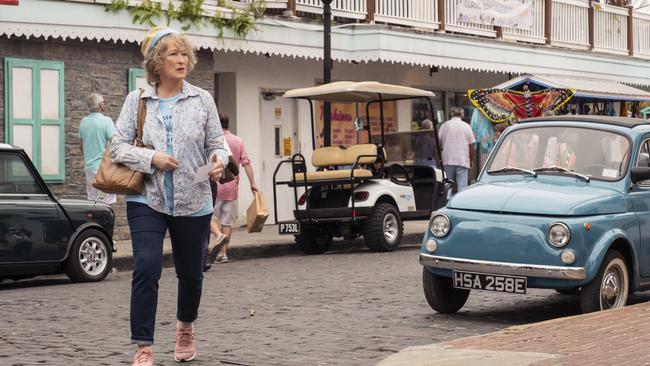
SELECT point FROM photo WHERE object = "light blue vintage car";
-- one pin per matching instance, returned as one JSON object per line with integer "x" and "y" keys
{"x": 562, "y": 203}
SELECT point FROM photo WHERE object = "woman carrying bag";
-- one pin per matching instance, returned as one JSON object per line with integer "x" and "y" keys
{"x": 183, "y": 132}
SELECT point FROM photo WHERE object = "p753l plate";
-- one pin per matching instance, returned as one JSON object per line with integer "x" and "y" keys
{"x": 289, "y": 228}
{"x": 489, "y": 282}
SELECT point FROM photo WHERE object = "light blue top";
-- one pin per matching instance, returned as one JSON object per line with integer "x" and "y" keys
{"x": 165, "y": 107}
{"x": 94, "y": 131}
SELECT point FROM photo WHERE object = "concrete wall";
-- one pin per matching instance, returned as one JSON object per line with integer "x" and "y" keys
{"x": 89, "y": 67}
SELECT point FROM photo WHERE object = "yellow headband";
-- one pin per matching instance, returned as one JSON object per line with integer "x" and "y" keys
{"x": 154, "y": 35}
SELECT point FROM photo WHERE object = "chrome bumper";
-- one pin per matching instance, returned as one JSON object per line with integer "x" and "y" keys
{"x": 502, "y": 268}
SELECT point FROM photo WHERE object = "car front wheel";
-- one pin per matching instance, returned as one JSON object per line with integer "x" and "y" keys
{"x": 90, "y": 258}
{"x": 610, "y": 288}
{"x": 440, "y": 293}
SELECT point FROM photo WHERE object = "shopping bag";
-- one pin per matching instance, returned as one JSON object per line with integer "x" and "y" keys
{"x": 256, "y": 214}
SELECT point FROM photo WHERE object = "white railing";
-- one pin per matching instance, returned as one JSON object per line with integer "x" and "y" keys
{"x": 412, "y": 13}
{"x": 270, "y": 4}
{"x": 453, "y": 25}
{"x": 641, "y": 35}
{"x": 352, "y": 9}
{"x": 610, "y": 30}
{"x": 534, "y": 35}
{"x": 570, "y": 23}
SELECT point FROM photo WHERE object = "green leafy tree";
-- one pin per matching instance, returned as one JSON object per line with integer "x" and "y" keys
{"x": 190, "y": 13}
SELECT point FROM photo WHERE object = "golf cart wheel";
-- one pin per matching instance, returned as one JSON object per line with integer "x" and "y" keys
{"x": 383, "y": 229}
{"x": 313, "y": 241}
{"x": 440, "y": 293}
{"x": 90, "y": 257}
{"x": 610, "y": 288}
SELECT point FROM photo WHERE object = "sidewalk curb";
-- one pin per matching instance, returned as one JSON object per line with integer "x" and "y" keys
{"x": 241, "y": 252}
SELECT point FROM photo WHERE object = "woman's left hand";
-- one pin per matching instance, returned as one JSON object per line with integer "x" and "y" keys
{"x": 216, "y": 172}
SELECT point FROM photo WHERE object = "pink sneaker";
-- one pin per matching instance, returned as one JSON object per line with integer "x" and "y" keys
{"x": 185, "y": 349}
{"x": 143, "y": 357}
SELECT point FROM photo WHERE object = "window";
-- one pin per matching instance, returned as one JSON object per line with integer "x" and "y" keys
{"x": 15, "y": 176}
{"x": 34, "y": 113}
{"x": 278, "y": 141}
{"x": 442, "y": 103}
{"x": 137, "y": 79}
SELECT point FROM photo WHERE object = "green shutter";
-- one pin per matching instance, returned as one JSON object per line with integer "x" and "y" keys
{"x": 39, "y": 120}
{"x": 134, "y": 75}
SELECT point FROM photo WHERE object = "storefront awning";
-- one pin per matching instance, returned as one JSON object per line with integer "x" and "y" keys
{"x": 592, "y": 88}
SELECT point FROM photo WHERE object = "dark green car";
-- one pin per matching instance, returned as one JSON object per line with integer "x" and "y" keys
{"x": 40, "y": 234}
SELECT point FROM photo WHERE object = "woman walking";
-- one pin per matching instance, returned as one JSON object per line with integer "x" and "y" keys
{"x": 182, "y": 126}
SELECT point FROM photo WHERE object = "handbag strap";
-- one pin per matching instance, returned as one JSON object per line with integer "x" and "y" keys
{"x": 142, "y": 113}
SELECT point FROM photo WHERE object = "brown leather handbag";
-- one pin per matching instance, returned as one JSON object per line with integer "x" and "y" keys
{"x": 116, "y": 177}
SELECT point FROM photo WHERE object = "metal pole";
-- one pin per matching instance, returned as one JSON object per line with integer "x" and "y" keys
{"x": 327, "y": 69}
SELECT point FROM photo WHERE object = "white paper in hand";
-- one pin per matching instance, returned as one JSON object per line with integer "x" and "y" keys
{"x": 202, "y": 172}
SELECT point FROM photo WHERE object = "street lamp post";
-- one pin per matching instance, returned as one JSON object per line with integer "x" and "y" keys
{"x": 327, "y": 68}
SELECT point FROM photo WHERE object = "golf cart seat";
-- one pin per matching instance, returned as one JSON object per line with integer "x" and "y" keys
{"x": 337, "y": 156}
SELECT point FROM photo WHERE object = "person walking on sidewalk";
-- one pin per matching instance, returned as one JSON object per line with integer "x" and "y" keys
{"x": 225, "y": 210}
{"x": 457, "y": 140}
{"x": 95, "y": 130}
{"x": 182, "y": 127}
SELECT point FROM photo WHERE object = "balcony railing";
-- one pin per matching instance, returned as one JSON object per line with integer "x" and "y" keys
{"x": 574, "y": 24}
{"x": 641, "y": 35}
{"x": 570, "y": 23}
{"x": 610, "y": 30}
{"x": 270, "y": 4}
{"x": 351, "y": 9}
{"x": 534, "y": 35}
{"x": 413, "y": 13}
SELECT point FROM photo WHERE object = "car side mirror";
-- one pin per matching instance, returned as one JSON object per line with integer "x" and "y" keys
{"x": 639, "y": 174}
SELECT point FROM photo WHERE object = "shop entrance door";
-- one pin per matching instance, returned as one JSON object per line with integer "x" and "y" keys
{"x": 279, "y": 133}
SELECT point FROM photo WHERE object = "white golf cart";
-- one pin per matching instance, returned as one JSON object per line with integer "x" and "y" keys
{"x": 359, "y": 189}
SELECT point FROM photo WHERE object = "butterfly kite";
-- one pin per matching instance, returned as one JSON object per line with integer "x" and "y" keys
{"x": 498, "y": 105}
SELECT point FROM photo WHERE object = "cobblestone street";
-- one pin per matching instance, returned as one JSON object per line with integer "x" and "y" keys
{"x": 340, "y": 308}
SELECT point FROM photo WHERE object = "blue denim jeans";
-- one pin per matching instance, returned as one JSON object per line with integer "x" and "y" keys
{"x": 458, "y": 174}
{"x": 187, "y": 235}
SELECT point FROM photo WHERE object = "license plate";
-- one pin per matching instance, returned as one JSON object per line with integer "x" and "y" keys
{"x": 289, "y": 228}
{"x": 489, "y": 282}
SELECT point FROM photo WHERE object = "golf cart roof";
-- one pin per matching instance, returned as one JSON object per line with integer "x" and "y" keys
{"x": 363, "y": 91}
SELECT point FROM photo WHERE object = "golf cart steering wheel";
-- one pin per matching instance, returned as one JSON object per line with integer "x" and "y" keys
{"x": 399, "y": 180}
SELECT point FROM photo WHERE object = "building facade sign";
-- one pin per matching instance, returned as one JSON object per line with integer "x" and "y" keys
{"x": 343, "y": 132}
{"x": 502, "y": 13}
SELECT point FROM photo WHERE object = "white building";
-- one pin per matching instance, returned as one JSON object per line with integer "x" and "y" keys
{"x": 418, "y": 43}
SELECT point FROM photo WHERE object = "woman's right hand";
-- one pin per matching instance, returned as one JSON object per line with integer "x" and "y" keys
{"x": 164, "y": 162}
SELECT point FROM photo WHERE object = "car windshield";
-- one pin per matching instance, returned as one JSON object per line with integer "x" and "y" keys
{"x": 581, "y": 152}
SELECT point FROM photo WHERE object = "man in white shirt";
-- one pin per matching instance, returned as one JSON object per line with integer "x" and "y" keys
{"x": 457, "y": 140}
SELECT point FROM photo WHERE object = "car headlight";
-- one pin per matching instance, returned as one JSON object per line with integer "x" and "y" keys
{"x": 559, "y": 235}
{"x": 440, "y": 225}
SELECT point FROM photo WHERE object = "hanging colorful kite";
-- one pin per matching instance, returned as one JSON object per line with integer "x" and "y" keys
{"x": 499, "y": 105}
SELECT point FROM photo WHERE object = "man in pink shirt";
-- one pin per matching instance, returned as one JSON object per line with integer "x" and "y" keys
{"x": 225, "y": 208}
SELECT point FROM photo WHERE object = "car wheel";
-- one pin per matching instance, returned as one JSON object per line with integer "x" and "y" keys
{"x": 611, "y": 286}
{"x": 383, "y": 229}
{"x": 313, "y": 241}
{"x": 440, "y": 293}
{"x": 90, "y": 258}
